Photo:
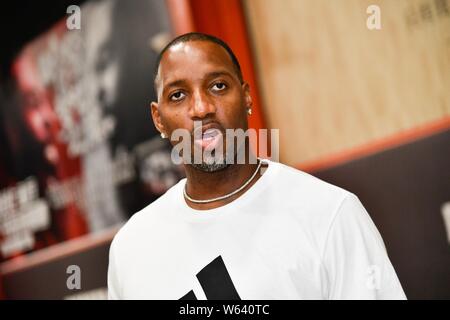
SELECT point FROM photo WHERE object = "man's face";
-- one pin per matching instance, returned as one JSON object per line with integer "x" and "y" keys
{"x": 197, "y": 81}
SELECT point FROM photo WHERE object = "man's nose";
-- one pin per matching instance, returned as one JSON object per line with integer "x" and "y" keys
{"x": 202, "y": 106}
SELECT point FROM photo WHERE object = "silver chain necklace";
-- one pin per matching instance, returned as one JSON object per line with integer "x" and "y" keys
{"x": 227, "y": 195}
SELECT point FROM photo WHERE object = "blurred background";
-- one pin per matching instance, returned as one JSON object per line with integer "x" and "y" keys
{"x": 360, "y": 91}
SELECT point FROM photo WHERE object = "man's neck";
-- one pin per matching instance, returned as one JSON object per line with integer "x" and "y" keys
{"x": 203, "y": 185}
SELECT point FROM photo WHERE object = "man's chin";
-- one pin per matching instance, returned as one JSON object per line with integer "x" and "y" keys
{"x": 210, "y": 167}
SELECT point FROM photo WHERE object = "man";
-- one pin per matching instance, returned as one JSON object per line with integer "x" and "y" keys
{"x": 240, "y": 231}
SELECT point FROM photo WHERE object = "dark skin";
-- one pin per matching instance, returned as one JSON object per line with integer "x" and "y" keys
{"x": 197, "y": 81}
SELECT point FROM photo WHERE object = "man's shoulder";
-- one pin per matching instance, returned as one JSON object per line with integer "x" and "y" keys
{"x": 310, "y": 202}
{"x": 307, "y": 186}
{"x": 308, "y": 199}
{"x": 148, "y": 220}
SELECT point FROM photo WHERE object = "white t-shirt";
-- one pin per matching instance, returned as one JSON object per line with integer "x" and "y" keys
{"x": 290, "y": 236}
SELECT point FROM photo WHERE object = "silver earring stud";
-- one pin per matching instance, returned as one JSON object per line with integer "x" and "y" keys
{"x": 249, "y": 111}
{"x": 163, "y": 135}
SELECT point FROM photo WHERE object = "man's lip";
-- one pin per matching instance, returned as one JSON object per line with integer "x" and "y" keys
{"x": 209, "y": 141}
{"x": 198, "y": 132}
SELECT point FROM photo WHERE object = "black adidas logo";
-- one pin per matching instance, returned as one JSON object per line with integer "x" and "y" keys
{"x": 216, "y": 282}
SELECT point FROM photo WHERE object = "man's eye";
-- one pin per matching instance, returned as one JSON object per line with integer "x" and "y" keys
{"x": 177, "y": 96}
{"x": 219, "y": 86}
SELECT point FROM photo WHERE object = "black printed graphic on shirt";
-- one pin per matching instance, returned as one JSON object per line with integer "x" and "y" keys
{"x": 216, "y": 282}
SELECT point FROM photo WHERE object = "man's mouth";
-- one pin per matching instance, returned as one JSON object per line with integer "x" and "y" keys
{"x": 209, "y": 136}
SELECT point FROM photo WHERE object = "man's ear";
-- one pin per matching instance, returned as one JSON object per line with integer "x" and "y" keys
{"x": 247, "y": 95}
{"x": 157, "y": 117}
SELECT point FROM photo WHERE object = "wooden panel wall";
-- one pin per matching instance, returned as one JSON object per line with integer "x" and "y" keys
{"x": 331, "y": 84}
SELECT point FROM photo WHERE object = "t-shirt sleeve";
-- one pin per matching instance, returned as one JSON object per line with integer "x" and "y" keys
{"x": 113, "y": 282}
{"x": 355, "y": 258}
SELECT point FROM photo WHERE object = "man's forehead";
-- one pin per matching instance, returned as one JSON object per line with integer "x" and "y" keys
{"x": 193, "y": 56}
